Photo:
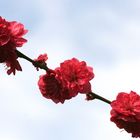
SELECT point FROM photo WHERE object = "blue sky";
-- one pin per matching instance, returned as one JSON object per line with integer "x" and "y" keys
{"x": 104, "y": 33}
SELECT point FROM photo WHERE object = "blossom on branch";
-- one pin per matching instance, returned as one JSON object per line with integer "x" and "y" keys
{"x": 76, "y": 75}
{"x": 125, "y": 112}
{"x": 66, "y": 81}
{"x": 41, "y": 60}
{"x": 10, "y": 38}
{"x": 51, "y": 87}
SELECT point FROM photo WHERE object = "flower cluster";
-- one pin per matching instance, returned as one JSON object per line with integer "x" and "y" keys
{"x": 125, "y": 112}
{"x": 10, "y": 38}
{"x": 66, "y": 81}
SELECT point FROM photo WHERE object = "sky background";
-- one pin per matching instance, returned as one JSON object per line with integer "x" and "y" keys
{"x": 104, "y": 33}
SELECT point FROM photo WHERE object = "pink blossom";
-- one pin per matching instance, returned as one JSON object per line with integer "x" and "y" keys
{"x": 76, "y": 75}
{"x": 10, "y": 38}
{"x": 125, "y": 112}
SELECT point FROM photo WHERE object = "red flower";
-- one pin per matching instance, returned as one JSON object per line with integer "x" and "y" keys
{"x": 41, "y": 60}
{"x": 51, "y": 87}
{"x": 76, "y": 75}
{"x": 11, "y": 37}
{"x": 66, "y": 81}
{"x": 125, "y": 112}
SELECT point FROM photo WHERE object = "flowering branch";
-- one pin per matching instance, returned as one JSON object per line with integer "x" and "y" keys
{"x": 35, "y": 63}
{"x": 90, "y": 95}
{"x": 68, "y": 80}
